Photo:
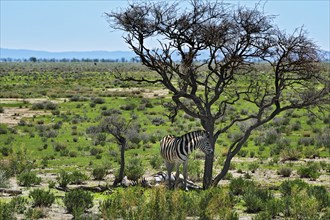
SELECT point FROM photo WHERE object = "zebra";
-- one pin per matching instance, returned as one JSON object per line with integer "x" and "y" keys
{"x": 175, "y": 150}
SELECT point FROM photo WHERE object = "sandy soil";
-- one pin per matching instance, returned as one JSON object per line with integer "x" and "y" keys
{"x": 146, "y": 93}
{"x": 12, "y": 115}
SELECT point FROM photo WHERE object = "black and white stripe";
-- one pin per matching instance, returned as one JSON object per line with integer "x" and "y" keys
{"x": 175, "y": 150}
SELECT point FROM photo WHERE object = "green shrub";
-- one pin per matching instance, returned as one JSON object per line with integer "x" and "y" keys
{"x": 6, "y": 211}
{"x": 300, "y": 205}
{"x": 285, "y": 171}
{"x": 323, "y": 139}
{"x": 99, "y": 173}
{"x": 290, "y": 153}
{"x": 63, "y": 178}
{"x": 4, "y": 178}
{"x": 78, "y": 201}
{"x": 41, "y": 198}
{"x": 243, "y": 153}
{"x": 309, "y": 171}
{"x": 6, "y": 150}
{"x": 216, "y": 202}
{"x": 46, "y": 105}
{"x": 239, "y": 186}
{"x": 77, "y": 177}
{"x": 95, "y": 151}
{"x": 253, "y": 167}
{"x": 18, "y": 204}
{"x": 287, "y": 186}
{"x": 274, "y": 207}
{"x": 156, "y": 161}
{"x": 35, "y": 213}
{"x": 256, "y": 199}
{"x": 195, "y": 170}
{"x": 134, "y": 169}
{"x": 60, "y": 147}
{"x": 28, "y": 179}
{"x": 321, "y": 194}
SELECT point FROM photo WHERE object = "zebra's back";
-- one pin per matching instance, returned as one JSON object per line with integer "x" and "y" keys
{"x": 169, "y": 149}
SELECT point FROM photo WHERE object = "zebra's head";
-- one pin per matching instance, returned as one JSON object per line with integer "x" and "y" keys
{"x": 206, "y": 145}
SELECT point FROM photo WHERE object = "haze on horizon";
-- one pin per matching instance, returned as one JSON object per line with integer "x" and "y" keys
{"x": 58, "y": 26}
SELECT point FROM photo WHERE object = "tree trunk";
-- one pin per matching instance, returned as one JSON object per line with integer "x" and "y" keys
{"x": 120, "y": 177}
{"x": 208, "y": 167}
{"x": 231, "y": 154}
{"x": 208, "y": 164}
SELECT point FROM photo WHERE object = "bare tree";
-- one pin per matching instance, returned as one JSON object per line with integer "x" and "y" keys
{"x": 117, "y": 126}
{"x": 234, "y": 39}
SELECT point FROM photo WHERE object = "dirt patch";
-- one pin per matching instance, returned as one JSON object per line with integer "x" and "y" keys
{"x": 12, "y": 115}
{"x": 145, "y": 93}
{"x": 29, "y": 100}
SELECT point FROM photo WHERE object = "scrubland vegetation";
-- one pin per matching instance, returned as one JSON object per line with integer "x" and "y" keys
{"x": 283, "y": 170}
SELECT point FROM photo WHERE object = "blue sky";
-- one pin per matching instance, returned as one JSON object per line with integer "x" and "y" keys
{"x": 81, "y": 25}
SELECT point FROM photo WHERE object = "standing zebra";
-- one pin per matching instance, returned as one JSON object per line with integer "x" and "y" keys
{"x": 175, "y": 150}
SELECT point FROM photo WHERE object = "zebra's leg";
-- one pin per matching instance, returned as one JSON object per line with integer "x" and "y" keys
{"x": 177, "y": 175}
{"x": 169, "y": 167}
{"x": 185, "y": 171}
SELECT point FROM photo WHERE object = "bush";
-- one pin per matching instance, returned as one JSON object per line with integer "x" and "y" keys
{"x": 290, "y": 153}
{"x": 134, "y": 169}
{"x": 285, "y": 171}
{"x": 77, "y": 202}
{"x": 99, "y": 173}
{"x": 255, "y": 199}
{"x": 271, "y": 136}
{"x": 287, "y": 186}
{"x": 194, "y": 170}
{"x": 97, "y": 100}
{"x": 321, "y": 194}
{"x": 58, "y": 147}
{"x": 95, "y": 151}
{"x": 253, "y": 167}
{"x": 77, "y": 177}
{"x": 309, "y": 171}
{"x": 28, "y": 179}
{"x": 156, "y": 161}
{"x": 18, "y": 204}
{"x": 300, "y": 205}
{"x": 46, "y": 105}
{"x": 6, "y": 150}
{"x": 128, "y": 107}
{"x": 63, "y": 179}
{"x": 35, "y": 213}
{"x": 160, "y": 203}
{"x": 6, "y": 211}
{"x": 323, "y": 140}
{"x": 157, "y": 121}
{"x": 239, "y": 186}
{"x": 41, "y": 198}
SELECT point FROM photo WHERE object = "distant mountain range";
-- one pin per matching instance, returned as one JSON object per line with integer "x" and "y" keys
{"x": 108, "y": 55}
{"x": 26, "y": 54}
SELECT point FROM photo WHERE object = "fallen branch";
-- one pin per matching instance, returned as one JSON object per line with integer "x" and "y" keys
{"x": 12, "y": 192}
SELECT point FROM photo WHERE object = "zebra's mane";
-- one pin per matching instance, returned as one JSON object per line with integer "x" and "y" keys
{"x": 200, "y": 133}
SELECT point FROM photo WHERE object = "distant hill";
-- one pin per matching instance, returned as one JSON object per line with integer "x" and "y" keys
{"x": 26, "y": 54}
{"x": 109, "y": 55}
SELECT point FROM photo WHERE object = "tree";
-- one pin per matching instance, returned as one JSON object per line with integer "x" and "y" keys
{"x": 117, "y": 126}
{"x": 235, "y": 40}
{"x": 33, "y": 59}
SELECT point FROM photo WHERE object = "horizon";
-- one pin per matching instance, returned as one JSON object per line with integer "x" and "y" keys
{"x": 82, "y": 26}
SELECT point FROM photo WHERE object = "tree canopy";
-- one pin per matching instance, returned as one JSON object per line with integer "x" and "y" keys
{"x": 235, "y": 41}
